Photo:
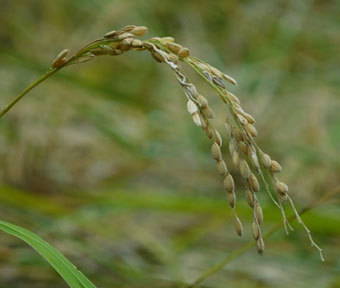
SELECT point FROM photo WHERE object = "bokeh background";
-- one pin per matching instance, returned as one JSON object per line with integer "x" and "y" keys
{"x": 104, "y": 162}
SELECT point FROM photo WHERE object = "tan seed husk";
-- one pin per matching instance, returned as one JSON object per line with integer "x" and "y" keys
{"x": 228, "y": 183}
{"x": 58, "y": 62}
{"x": 216, "y": 72}
{"x": 202, "y": 100}
{"x": 244, "y": 169}
{"x": 242, "y": 119}
{"x": 205, "y": 122}
{"x": 183, "y": 52}
{"x": 116, "y": 52}
{"x": 238, "y": 135}
{"x": 266, "y": 161}
{"x": 156, "y": 39}
{"x": 236, "y": 159}
{"x": 231, "y": 147}
{"x": 208, "y": 131}
{"x": 221, "y": 168}
{"x": 233, "y": 98}
{"x": 158, "y": 57}
{"x": 194, "y": 92}
{"x": 174, "y": 47}
{"x": 100, "y": 52}
{"x": 106, "y": 48}
{"x": 60, "y": 59}
{"x": 238, "y": 226}
{"x": 253, "y": 183}
{"x": 197, "y": 119}
{"x": 238, "y": 109}
{"x": 231, "y": 199}
{"x": 258, "y": 213}
{"x": 217, "y": 137}
{"x": 250, "y": 128}
{"x": 208, "y": 112}
{"x": 192, "y": 107}
{"x": 62, "y": 54}
{"x": 125, "y": 35}
{"x": 253, "y": 159}
{"x": 243, "y": 147}
{"x": 125, "y": 44}
{"x": 229, "y": 79}
{"x": 127, "y": 28}
{"x": 168, "y": 39}
{"x": 204, "y": 67}
{"x": 281, "y": 188}
{"x": 256, "y": 230}
{"x": 260, "y": 246}
{"x": 173, "y": 58}
{"x": 111, "y": 34}
{"x": 216, "y": 151}
{"x": 249, "y": 118}
{"x": 137, "y": 43}
{"x": 275, "y": 167}
{"x": 139, "y": 30}
{"x": 250, "y": 198}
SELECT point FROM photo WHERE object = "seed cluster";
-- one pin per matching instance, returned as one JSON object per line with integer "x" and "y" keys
{"x": 253, "y": 164}
{"x": 113, "y": 43}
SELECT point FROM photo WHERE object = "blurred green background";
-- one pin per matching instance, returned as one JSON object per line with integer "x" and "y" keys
{"x": 104, "y": 162}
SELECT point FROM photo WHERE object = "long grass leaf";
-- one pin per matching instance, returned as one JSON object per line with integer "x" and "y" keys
{"x": 62, "y": 265}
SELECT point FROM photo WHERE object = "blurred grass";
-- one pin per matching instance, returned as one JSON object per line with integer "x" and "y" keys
{"x": 103, "y": 161}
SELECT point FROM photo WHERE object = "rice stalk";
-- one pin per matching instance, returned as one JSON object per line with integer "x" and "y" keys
{"x": 252, "y": 163}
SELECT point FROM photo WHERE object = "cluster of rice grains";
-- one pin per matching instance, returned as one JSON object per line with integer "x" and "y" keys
{"x": 113, "y": 43}
{"x": 252, "y": 163}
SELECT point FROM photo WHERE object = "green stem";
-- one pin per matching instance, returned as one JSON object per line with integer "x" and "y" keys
{"x": 28, "y": 89}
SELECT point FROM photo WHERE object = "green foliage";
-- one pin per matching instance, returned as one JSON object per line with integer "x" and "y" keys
{"x": 64, "y": 267}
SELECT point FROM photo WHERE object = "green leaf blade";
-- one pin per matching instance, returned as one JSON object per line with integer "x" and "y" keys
{"x": 72, "y": 276}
